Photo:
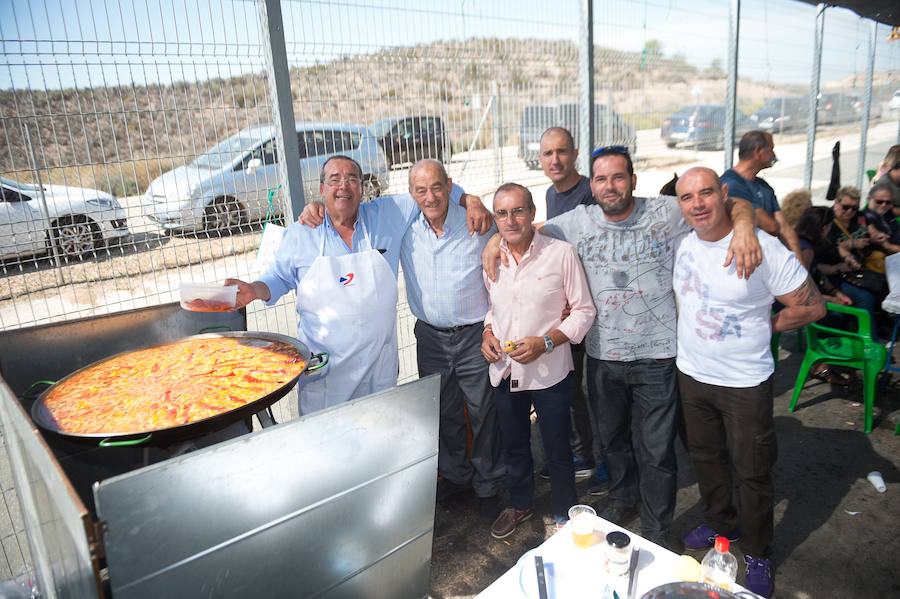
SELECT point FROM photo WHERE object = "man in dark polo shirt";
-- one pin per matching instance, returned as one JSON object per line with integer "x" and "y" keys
{"x": 558, "y": 157}
{"x": 756, "y": 151}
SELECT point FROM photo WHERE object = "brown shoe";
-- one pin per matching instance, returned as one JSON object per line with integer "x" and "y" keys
{"x": 507, "y": 521}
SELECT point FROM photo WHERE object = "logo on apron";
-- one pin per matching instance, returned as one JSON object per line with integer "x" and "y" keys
{"x": 345, "y": 280}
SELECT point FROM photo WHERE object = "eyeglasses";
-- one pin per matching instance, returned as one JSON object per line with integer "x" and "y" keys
{"x": 335, "y": 181}
{"x": 610, "y": 150}
{"x": 517, "y": 212}
{"x": 849, "y": 208}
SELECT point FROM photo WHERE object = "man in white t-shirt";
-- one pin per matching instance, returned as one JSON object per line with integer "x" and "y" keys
{"x": 725, "y": 368}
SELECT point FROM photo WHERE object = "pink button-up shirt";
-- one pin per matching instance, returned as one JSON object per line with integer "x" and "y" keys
{"x": 527, "y": 300}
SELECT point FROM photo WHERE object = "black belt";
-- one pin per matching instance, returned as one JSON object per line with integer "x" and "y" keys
{"x": 455, "y": 329}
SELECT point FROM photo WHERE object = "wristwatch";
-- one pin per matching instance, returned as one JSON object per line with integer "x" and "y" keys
{"x": 548, "y": 344}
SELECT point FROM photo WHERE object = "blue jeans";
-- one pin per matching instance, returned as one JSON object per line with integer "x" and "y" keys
{"x": 644, "y": 470}
{"x": 861, "y": 298}
{"x": 554, "y": 421}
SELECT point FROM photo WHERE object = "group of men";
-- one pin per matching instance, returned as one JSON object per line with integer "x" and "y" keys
{"x": 601, "y": 268}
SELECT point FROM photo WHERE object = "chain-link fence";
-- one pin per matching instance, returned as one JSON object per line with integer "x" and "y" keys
{"x": 137, "y": 149}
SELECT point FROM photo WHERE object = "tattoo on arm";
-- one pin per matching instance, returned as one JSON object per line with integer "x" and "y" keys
{"x": 806, "y": 294}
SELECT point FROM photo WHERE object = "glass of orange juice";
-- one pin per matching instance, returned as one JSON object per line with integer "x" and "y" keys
{"x": 582, "y": 519}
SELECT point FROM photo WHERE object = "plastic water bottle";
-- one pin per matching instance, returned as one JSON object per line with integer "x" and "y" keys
{"x": 719, "y": 567}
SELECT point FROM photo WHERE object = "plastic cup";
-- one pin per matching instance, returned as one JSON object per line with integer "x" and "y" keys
{"x": 582, "y": 519}
{"x": 208, "y": 297}
{"x": 877, "y": 481}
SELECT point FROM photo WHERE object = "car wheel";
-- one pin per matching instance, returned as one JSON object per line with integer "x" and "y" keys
{"x": 223, "y": 215}
{"x": 670, "y": 144}
{"x": 371, "y": 188}
{"x": 75, "y": 236}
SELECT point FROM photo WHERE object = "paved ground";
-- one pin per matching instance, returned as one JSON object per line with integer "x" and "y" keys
{"x": 835, "y": 535}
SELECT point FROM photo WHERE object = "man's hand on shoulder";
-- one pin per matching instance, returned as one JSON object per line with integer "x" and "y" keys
{"x": 313, "y": 215}
{"x": 744, "y": 250}
{"x": 478, "y": 217}
{"x": 489, "y": 257}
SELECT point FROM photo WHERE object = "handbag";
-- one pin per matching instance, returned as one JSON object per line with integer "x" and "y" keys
{"x": 866, "y": 279}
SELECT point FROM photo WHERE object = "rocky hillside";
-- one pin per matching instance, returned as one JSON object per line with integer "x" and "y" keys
{"x": 119, "y": 138}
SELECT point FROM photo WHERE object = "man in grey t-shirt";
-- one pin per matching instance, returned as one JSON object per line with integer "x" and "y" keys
{"x": 627, "y": 245}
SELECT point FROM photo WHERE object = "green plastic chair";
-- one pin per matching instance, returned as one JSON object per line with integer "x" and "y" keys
{"x": 856, "y": 349}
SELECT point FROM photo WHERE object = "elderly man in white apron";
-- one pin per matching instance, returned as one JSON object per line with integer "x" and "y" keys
{"x": 345, "y": 275}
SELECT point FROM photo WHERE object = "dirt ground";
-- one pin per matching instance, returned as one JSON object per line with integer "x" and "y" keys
{"x": 835, "y": 535}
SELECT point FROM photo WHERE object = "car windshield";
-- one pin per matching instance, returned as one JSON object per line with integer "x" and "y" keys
{"x": 226, "y": 152}
{"x": 381, "y": 128}
{"x": 17, "y": 185}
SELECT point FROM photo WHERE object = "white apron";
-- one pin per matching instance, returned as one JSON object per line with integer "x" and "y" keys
{"x": 348, "y": 307}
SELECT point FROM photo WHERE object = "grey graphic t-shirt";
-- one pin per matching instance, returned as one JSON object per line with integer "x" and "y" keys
{"x": 629, "y": 270}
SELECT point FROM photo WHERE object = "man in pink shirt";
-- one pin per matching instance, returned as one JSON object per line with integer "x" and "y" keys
{"x": 522, "y": 328}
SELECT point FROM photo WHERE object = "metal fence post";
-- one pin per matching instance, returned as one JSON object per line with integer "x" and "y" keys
{"x": 814, "y": 95}
{"x": 496, "y": 117}
{"x": 867, "y": 99}
{"x": 734, "y": 23}
{"x": 282, "y": 107}
{"x": 586, "y": 81}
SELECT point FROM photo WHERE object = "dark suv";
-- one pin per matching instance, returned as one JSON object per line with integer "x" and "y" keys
{"x": 411, "y": 138}
{"x": 781, "y": 114}
{"x": 609, "y": 128}
{"x": 702, "y": 125}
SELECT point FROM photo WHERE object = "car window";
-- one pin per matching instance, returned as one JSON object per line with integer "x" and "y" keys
{"x": 404, "y": 128}
{"x": 266, "y": 154}
{"x": 226, "y": 152}
{"x": 338, "y": 142}
{"x": 11, "y": 195}
{"x": 314, "y": 142}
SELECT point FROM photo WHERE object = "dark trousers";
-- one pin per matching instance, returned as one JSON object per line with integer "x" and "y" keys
{"x": 644, "y": 469}
{"x": 552, "y": 407}
{"x": 465, "y": 382}
{"x": 583, "y": 439}
{"x": 723, "y": 422}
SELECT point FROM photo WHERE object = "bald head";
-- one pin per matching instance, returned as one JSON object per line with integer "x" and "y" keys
{"x": 434, "y": 167}
{"x": 705, "y": 174}
{"x": 429, "y": 186}
{"x": 702, "y": 198}
{"x": 558, "y": 158}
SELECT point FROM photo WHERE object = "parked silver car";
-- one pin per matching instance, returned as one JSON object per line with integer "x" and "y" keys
{"x": 78, "y": 220}
{"x": 229, "y": 185}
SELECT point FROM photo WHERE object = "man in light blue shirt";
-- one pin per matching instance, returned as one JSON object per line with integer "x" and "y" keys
{"x": 445, "y": 289}
{"x": 345, "y": 277}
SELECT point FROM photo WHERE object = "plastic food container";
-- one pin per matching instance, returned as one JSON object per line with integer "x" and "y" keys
{"x": 208, "y": 297}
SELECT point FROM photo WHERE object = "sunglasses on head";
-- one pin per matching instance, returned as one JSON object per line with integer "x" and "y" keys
{"x": 623, "y": 150}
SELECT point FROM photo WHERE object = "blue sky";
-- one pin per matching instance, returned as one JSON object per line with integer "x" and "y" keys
{"x": 64, "y": 43}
